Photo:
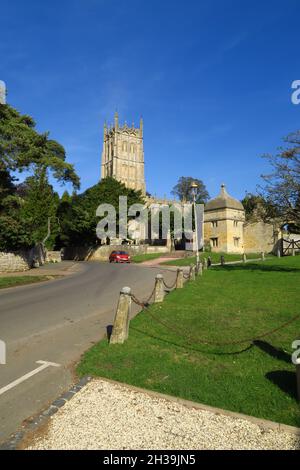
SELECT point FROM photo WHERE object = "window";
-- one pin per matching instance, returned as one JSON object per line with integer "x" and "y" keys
{"x": 124, "y": 147}
{"x": 214, "y": 242}
{"x": 235, "y": 223}
{"x": 214, "y": 223}
{"x": 236, "y": 241}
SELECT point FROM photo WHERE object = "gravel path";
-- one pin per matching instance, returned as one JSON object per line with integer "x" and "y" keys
{"x": 109, "y": 416}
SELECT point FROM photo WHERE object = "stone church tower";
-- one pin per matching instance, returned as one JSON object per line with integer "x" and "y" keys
{"x": 123, "y": 154}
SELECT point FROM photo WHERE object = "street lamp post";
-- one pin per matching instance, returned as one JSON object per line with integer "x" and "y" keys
{"x": 194, "y": 187}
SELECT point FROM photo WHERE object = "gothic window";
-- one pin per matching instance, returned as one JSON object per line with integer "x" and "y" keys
{"x": 214, "y": 242}
{"x": 132, "y": 148}
{"x": 124, "y": 146}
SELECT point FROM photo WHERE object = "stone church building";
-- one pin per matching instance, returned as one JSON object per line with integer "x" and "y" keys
{"x": 123, "y": 154}
{"x": 224, "y": 228}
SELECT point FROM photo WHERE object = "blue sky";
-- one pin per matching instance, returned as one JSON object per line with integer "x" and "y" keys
{"x": 212, "y": 80}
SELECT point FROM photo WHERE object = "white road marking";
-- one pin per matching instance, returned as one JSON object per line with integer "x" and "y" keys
{"x": 13, "y": 384}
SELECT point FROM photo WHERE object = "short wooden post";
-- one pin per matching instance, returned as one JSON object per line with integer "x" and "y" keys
{"x": 263, "y": 256}
{"x": 244, "y": 258}
{"x": 159, "y": 292}
{"x": 204, "y": 263}
{"x": 192, "y": 275}
{"x": 200, "y": 269}
{"x": 278, "y": 253}
{"x": 222, "y": 260}
{"x": 293, "y": 248}
{"x": 179, "y": 279}
{"x": 121, "y": 321}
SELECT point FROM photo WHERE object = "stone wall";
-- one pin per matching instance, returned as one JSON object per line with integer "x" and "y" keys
{"x": 11, "y": 262}
{"x": 260, "y": 236}
{"x": 53, "y": 257}
{"x": 102, "y": 253}
{"x": 21, "y": 260}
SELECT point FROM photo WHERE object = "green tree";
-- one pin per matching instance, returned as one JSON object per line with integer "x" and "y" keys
{"x": 26, "y": 208}
{"x": 39, "y": 209}
{"x": 257, "y": 208}
{"x": 23, "y": 148}
{"x": 78, "y": 219}
{"x": 182, "y": 190}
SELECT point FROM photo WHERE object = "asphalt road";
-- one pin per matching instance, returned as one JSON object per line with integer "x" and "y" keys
{"x": 57, "y": 321}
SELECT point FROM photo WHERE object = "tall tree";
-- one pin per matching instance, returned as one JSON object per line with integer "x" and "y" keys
{"x": 257, "y": 208}
{"x": 26, "y": 208}
{"x": 38, "y": 210}
{"x": 23, "y": 148}
{"x": 282, "y": 185}
{"x": 78, "y": 219}
{"x": 182, "y": 190}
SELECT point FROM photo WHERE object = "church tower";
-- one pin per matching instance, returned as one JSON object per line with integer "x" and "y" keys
{"x": 123, "y": 154}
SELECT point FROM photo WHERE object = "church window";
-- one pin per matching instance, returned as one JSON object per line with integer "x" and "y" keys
{"x": 236, "y": 241}
{"x": 124, "y": 146}
{"x": 214, "y": 241}
{"x": 214, "y": 223}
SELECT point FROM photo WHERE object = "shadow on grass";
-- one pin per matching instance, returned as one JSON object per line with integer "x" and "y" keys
{"x": 285, "y": 380}
{"x": 191, "y": 348}
{"x": 256, "y": 267}
{"x": 272, "y": 351}
{"x": 109, "y": 329}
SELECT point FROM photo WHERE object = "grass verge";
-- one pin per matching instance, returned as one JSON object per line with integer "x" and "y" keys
{"x": 226, "y": 304}
{"x": 13, "y": 281}
{"x": 146, "y": 257}
{"x": 215, "y": 257}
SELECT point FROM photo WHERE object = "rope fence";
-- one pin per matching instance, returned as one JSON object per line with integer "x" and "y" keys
{"x": 157, "y": 294}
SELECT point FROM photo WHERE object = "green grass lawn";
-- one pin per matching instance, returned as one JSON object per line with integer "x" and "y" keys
{"x": 145, "y": 257}
{"x": 224, "y": 305}
{"x": 12, "y": 281}
{"x": 215, "y": 257}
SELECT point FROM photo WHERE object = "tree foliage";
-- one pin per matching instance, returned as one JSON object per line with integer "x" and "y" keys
{"x": 282, "y": 186}
{"x": 77, "y": 217}
{"x": 26, "y": 208}
{"x": 257, "y": 208}
{"x": 182, "y": 190}
{"x": 23, "y": 148}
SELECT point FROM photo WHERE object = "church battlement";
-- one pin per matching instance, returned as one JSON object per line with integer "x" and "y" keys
{"x": 123, "y": 154}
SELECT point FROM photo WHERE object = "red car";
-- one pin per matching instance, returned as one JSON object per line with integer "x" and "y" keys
{"x": 119, "y": 257}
